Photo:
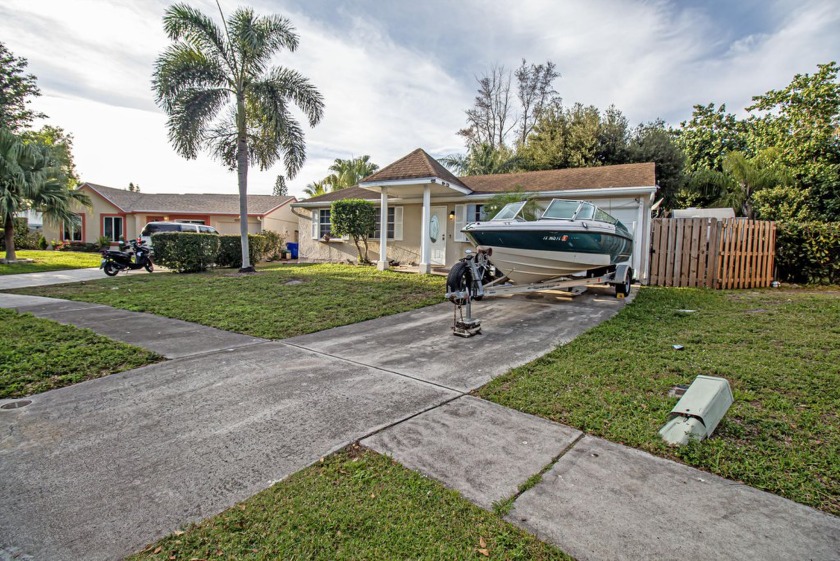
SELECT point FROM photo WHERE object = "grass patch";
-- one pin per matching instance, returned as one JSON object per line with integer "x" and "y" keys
{"x": 37, "y": 355}
{"x": 779, "y": 349}
{"x": 50, "y": 261}
{"x": 279, "y": 301}
{"x": 355, "y": 504}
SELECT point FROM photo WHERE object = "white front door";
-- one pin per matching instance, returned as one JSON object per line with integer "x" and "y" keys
{"x": 437, "y": 234}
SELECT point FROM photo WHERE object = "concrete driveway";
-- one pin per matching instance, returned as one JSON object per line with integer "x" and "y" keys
{"x": 99, "y": 469}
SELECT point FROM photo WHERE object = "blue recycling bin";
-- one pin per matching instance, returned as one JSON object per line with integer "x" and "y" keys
{"x": 293, "y": 249}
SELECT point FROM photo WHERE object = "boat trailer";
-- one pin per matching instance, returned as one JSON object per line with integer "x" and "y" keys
{"x": 471, "y": 279}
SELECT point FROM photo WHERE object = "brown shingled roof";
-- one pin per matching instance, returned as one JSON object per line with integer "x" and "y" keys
{"x": 416, "y": 165}
{"x": 348, "y": 193}
{"x": 624, "y": 175}
{"x": 207, "y": 203}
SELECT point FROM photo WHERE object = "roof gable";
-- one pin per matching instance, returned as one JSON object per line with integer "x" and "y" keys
{"x": 416, "y": 165}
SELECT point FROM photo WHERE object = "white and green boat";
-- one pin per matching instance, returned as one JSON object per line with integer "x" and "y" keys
{"x": 570, "y": 238}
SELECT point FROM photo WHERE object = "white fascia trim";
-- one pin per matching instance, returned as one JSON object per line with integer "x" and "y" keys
{"x": 581, "y": 193}
{"x": 372, "y": 185}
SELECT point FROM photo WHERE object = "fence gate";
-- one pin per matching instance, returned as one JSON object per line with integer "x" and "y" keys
{"x": 732, "y": 253}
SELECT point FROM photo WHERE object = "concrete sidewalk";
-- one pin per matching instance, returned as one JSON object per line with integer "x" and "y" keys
{"x": 600, "y": 500}
{"x": 9, "y": 282}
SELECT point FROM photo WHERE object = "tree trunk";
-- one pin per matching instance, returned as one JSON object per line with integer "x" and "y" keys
{"x": 242, "y": 172}
{"x": 10, "y": 237}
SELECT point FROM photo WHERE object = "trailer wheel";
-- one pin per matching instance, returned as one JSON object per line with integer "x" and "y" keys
{"x": 623, "y": 289}
{"x": 458, "y": 280}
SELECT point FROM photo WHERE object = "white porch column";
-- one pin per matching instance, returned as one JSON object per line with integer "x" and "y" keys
{"x": 382, "y": 264}
{"x": 425, "y": 245}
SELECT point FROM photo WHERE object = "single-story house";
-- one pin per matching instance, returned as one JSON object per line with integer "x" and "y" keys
{"x": 120, "y": 213}
{"x": 425, "y": 207}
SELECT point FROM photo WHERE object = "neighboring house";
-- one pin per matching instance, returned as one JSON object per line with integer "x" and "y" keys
{"x": 120, "y": 213}
{"x": 427, "y": 206}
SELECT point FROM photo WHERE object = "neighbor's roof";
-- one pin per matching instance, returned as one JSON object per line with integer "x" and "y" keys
{"x": 624, "y": 175}
{"x": 206, "y": 203}
{"x": 417, "y": 165}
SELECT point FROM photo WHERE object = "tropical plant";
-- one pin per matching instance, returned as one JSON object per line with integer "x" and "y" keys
{"x": 355, "y": 218}
{"x": 482, "y": 159}
{"x": 498, "y": 202}
{"x": 740, "y": 179}
{"x": 317, "y": 188}
{"x": 220, "y": 93}
{"x": 347, "y": 173}
{"x": 32, "y": 178}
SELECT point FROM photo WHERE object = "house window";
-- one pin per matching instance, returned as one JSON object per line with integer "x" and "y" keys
{"x": 73, "y": 230}
{"x": 112, "y": 227}
{"x": 466, "y": 214}
{"x": 324, "y": 222}
{"x": 390, "y": 229}
{"x": 190, "y": 221}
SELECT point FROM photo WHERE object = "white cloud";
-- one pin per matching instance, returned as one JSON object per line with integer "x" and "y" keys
{"x": 397, "y": 78}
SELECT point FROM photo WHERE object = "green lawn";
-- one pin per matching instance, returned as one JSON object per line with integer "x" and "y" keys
{"x": 37, "y": 355}
{"x": 279, "y": 301}
{"x": 779, "y": 349}
{"x": 50, "y": 261}
{"x": 354, "y": 504}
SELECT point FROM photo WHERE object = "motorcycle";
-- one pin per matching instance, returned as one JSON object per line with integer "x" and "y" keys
{"x": 139, "y": 256}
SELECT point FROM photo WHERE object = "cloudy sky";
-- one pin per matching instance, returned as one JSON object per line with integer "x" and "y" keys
{"x": 397, "y": 75}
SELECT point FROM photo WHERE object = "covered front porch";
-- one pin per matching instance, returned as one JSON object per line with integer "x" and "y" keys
{"x": 415, "y": 179}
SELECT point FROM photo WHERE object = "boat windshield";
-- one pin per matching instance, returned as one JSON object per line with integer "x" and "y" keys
{"x": 560, "y": 209}
{"x": 509, "y": 211}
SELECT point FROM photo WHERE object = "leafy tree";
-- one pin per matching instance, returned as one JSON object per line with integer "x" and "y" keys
{"x": 60, "y": 144}
{"x": 782, "y": 203}
{"x": 280, "y": 189}
{"x": 220, "y": 93}
{"x": 653, "y": 142}
{"x": 482, "y": 159}
{"x": 709, "y": 136}
{"x": 613, "y": 138}
{"x": 802, "y": 121}
{"x": 563, "y": 138}
{"x": 536, "y": 93}
{"x": 355, "y": 218}
{"x": 16, "y": 91}
{"x": 134, "y": 188}
{"x": 32, "y": 177}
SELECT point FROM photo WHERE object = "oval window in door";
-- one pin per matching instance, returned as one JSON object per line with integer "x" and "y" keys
{"x": 434, "y": 228}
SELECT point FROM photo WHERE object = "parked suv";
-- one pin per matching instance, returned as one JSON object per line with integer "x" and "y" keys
{"x": 155, "y": 227}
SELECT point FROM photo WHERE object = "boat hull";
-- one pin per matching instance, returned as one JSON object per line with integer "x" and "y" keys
{"x": 527, "y": 255}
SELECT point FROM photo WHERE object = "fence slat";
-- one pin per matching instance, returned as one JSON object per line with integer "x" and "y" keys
{"x": 714, "y": 253}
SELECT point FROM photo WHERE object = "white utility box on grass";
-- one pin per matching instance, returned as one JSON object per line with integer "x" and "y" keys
{"x": 698, "y": 411}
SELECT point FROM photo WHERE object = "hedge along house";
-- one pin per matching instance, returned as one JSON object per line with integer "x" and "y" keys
{"x": 424, "y": 207}
{"x": 119, "y": 213}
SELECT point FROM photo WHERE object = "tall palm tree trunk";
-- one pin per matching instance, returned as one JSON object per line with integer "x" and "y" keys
{"x": 9, "y": 227}
{"x": 242, "y": 170}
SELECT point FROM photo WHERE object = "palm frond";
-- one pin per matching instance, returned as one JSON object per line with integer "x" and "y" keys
{"x": 181, "y": 21}
{"x": 191, "y": 113}
{"x": 182, "y": 67}
{"x": 290, "y": 85}
{"x": 257, "y": 38}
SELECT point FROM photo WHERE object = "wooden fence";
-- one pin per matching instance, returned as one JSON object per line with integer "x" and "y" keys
{"x": 733, "y": 253}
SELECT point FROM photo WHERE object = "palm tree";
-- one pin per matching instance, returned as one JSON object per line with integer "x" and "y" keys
{"x": 317, "y": 188}
{"x": 482, "y": 159}
{"x": 220, "y": 94}
{"x": 348, "y": 173}
{"x": 32, "y": 178}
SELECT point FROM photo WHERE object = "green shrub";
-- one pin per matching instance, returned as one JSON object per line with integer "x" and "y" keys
{"x": 355, "y": 218}
{"x": 77, "y": 246}
{"x": 273, "y": 244}
{"x": 24, "y": 238}
{"x": 808, "y": 251}
{"x": 230, "y": 250}
{"x": 42, "y": 243}
{"x": 185, "y": 252}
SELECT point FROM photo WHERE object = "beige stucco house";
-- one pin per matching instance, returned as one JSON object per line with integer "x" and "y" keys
{"x": 119, "y": 213}
{"x": 425, "y": 207}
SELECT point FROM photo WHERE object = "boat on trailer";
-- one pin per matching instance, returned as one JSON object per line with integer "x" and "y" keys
{"x": 571, "y": 237}
{"x": 573, "y": 244}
